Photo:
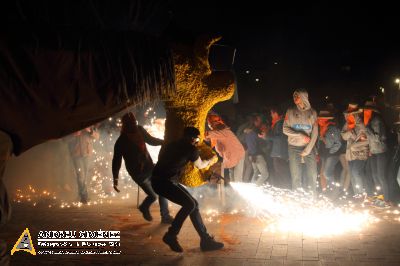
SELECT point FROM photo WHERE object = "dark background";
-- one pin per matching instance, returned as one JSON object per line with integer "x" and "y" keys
{"x": 345, "y": 51}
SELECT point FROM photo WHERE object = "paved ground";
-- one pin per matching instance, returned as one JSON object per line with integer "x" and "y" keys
{"x": 246, "y": 243}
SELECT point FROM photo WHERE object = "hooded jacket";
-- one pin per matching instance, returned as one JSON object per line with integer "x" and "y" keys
{"x": 352, "y": 136}
{"x": 300, "y": 122}
{"x": 376, "y": 133}
{"x": 228, "y": 146}
{"x": 137, "y": 159}
{"x": 333, "y": 140}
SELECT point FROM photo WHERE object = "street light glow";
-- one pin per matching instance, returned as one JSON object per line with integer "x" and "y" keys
{"x": 397, "y": 81}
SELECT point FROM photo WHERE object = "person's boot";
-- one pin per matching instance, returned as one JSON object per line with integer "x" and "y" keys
{"x": 172, "y": 241}
{"x": 208, "y": 243}
{"x": 146, "y": 213}
{"x": 167, "y": 219}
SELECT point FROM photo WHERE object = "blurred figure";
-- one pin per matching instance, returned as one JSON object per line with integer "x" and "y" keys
{"x": 262, "y": 129}
{"x": 302, "y": 130}
{"x": 279, "y": 150}
{"x": 226, "y": 144}
{"x": 6, "y": 149}
{"x": 332, "y": 144}
{"x": 131, "y": 145}
{"x": 357, "y": 150}
{"x": 172, "y": 160}
{"x": 244, "y": 170}
{"x": 376, "y": 134}
{"x": 81, "y": 149}
{"x": 254, "y": 151}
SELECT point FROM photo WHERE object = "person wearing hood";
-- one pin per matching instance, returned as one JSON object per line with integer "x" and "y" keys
{"x": 357, "y": 150}
{"x": 226, "y": 144}
{"x": 301, "y": 127}
{"x": 131, "y": 145}
{"x": 376, "y": 133}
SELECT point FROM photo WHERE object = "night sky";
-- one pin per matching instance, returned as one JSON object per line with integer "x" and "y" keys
{"x": 340, "y": 51}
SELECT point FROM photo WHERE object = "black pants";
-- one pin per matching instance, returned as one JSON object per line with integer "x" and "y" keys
{"x": 281, "y": 173}
{"x": 178, "y": 194}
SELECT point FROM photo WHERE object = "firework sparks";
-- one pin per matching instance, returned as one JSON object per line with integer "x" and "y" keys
{"x": 99, "y": 180}
{"x": 298, "y": 211}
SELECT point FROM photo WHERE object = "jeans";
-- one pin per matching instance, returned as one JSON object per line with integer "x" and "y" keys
{"x": 259, "y": 168}
{"x": 378, "y": 164}
{"x": 178, "y": 194}
{"x": 152, "y": 197}
{"x": 296, "y": 168}
{"x": 357, "y": 169}
{"x": 228, "y": 175}
{"x": 81, "y": 170}
{"x": 345, "y": 176}
{"x": 329, "y": 170}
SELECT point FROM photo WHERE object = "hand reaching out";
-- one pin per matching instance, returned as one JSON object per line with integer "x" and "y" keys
{"x": 214, "y": 160}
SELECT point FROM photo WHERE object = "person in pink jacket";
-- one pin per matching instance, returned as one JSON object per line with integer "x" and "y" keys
{"x": 226, "y": 144}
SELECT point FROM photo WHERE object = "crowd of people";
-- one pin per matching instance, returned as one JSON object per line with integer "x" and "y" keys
{"x": 326, "y": 152}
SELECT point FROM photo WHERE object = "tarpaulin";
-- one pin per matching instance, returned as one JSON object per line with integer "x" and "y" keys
{"x": 63, "y": 71}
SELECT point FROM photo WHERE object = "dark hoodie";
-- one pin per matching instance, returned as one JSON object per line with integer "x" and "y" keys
{"x": 137, "y": 159}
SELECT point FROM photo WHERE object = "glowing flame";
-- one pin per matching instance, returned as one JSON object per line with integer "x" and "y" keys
{"x": 156, "y": 128}
{"x": 298, "y": 211}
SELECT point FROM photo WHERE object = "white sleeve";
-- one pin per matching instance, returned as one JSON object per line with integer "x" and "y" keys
{"x": 200, "y": 164}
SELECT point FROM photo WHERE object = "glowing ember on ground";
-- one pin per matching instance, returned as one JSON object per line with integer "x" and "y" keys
{"x": 297, "y": 211}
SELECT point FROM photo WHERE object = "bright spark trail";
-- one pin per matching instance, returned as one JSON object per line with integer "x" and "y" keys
{"x": 298, "y": 212}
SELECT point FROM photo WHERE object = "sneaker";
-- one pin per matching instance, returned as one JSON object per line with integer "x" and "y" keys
{"x": 208, "y": 244}
{"x": 146, "y": 213}
{"x": 381, "y": 204}
{"x": 172, "y": 242}
{"x": 167, "y": 219}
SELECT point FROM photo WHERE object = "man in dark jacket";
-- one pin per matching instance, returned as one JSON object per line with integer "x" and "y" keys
{"x": 131, "y": 145}
{"x": 330, "y": 147}
{"x": 171, "y": 162}
{"x": 279, "y": 150}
